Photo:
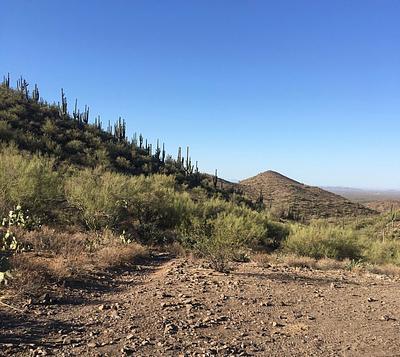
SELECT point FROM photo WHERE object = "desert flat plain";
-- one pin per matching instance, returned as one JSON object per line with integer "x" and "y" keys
{"x": 180, "y": 307}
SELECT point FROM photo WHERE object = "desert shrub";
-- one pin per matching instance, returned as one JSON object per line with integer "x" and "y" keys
{"x": 276, "y": 234}
{"x": 150, "y": 206}
{"x": 154, "y": 200}
{"x": 30, "y": 181}
{"x": 383, "y": 252}
{"x": 99, "y": 196}
{"x": 226, "y": 237}
{"x": 323, "y": 241}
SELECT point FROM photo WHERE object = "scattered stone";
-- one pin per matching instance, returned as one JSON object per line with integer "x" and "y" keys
{"x": 170, "y": 329}
{"x": 387, "y": 318}
{"x": 130, "y": 336}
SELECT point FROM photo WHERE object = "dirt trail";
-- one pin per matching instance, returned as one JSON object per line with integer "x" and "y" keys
{"x": 179, "y": 308}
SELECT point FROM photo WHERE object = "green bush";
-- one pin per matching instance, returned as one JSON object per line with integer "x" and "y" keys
{"x": 99, "y": 196}
{"x": 150, "y": 205}
{"x": 323, "y": 241}
{"x": 29, "y": 181}
{"x": 383, "y": 252}
{"x": 226, "y": 236}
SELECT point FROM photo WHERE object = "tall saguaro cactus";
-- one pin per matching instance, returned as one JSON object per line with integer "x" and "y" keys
{"x": 179, "y": 158}
{"x": 85, "y": 115}
{"x": 76, "y": 113}
{"x": 215, "y": 179}
{"x": 22, "y": 86}
{"x": 6, "y": 80}
{"x": 158, "y": 150}
{"x": 97, "y": 122}
{"x": 163, "y": 153}
{"x": 63, "y": 109}
{"x": 140, "y": 141}
{"x": 35, "y": 94}
{"x": 120, "y": 129}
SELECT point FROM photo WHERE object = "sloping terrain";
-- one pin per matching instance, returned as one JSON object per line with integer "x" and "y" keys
{"x": 296, "y": 200}
{"x": 179, "y": 307}
{"x": 383, "y": 206}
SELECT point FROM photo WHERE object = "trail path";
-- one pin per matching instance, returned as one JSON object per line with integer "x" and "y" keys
{"x": 179, "y": 308}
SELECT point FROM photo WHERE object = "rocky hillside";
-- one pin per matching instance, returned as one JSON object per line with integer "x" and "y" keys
{"x": 292, "y": 199}
{"x": 384, "y": 205}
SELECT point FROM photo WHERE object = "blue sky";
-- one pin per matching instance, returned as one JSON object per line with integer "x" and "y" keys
{"x": 308, "y": 88}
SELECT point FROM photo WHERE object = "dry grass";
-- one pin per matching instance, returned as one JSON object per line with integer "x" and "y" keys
{"x": 50, "y": 240}
{"x": 266, "y": 260}
{"x": 299, "y": 262}
{"x": 177, "y": 250}
{"x": 332, "y": 264}
{"x": 118, "y": 256}
{"x": 59, "y": 256}
{"x": 387, "y": 269}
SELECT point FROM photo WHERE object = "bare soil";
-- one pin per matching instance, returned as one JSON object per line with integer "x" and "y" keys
{"x": 179, "y": 307}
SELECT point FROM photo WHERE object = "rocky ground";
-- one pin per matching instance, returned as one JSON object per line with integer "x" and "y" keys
{"x": 179, "y": 307}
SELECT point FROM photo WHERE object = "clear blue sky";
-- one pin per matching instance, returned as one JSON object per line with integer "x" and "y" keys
{"x": 307, "y": 88}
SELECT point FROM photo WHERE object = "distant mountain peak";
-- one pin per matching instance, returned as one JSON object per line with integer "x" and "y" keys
{"x": 287, "y": 195}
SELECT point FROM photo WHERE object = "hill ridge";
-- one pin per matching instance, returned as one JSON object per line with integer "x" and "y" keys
{"x": 292, "y": 199}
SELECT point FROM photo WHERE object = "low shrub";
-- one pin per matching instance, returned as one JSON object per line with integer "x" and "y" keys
{"x": 30, "y": 181}
{"x": 383, "y": 252}
{"x": 323, "y": 241}
{"x": 227, "y": 237}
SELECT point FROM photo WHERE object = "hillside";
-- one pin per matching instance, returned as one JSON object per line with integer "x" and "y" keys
{"x": 383, "y": 205}
{"x": 292, "y": 199}
{"x": 73, "y": 137}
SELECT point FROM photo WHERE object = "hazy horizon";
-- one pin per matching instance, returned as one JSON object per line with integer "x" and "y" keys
{"x": 308, "y": 88}
{"x": 324, "y": 186}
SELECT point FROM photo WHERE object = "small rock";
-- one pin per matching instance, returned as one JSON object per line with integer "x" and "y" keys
{"x": 170, "y": 329}
{"x": 387, "y": 318}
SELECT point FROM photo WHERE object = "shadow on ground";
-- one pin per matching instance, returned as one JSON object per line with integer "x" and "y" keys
{"x": 296, "y": 277}
{"x": 18, "y": 328}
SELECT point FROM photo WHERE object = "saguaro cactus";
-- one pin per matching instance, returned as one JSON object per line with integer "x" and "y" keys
{"x": 22, "y": 86}
{"x": 63, "y": 108}
{"x": 35, "y": 94}
{"x": 215, "y": 179}
{"x": 163, "y": 153}
{"x": 6, "y": 80}
{"x": 179, "y": 158}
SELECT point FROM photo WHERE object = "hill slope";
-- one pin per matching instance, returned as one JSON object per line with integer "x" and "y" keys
{"x": 292, "y": 199}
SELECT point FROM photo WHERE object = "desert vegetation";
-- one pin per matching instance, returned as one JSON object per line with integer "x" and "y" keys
{"x": 76, "y": 198}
